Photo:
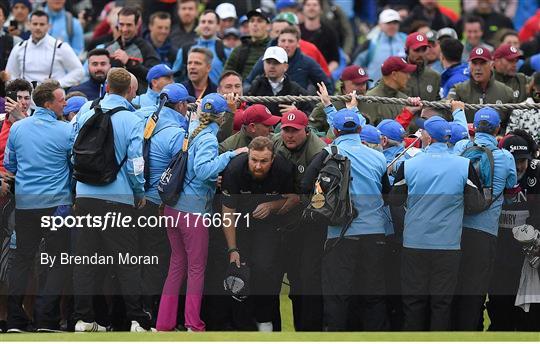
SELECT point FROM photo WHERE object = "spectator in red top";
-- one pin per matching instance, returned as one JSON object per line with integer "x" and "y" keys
{"x": 530, "y": 28}
{"x": 16, "y": 109}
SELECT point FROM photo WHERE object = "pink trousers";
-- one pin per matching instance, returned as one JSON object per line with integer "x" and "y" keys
{"x": 189, "y": 250}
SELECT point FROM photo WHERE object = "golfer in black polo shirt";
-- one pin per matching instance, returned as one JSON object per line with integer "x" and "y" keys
{"x": 253, "y": 185}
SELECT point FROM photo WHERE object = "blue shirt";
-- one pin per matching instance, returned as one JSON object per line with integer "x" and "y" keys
{"x": 128, "y": 137}
{"x": 165, "y": 143}
{"x": 217, "y": 65}
{"x": 436, "y": 181}
{"x": 378, "y": 51}
{"x": 149, "y": 98}
{"x": 58, "y": 30}
{"x": 38, "y": 152}
{"x": 368, "y": 167}
{"x": 453, "y": 75}
{"x": 203, "y": 168}
{"x": 504, "y": 177}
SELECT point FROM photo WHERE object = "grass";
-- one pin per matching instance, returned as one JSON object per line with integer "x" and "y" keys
{"x": 278, "y": 336}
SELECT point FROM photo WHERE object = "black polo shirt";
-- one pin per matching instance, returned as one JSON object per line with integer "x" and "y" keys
{"x": 240, "y": 191}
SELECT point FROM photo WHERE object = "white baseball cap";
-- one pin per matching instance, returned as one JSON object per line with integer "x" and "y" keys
{"x": 276, "y": 53}
{"x": 226, "y": 10}
{"x": 388, "y": 16}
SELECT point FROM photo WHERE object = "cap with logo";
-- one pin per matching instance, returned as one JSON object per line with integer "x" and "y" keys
{"x": 277, "y": 53}
{"x": 396, "y": 64}
{"x": 355, "y": 74}
{"x": 236, "y": 281}
{"x": 517, "y": 145}
{"x": 289, "y": 17}
{"x": 214, "y": 103}
{"x": 431, "y": 36}
{"x": 281, "y": 4}
{"x": 226, "y": 10}
{"x": 447, "y": 32}
{"x": 459, "y": 132}
{"x": 391, "y": 129}
{"x": 158, "y": 71}
{"x": 416, "y": 40}
{"x": 346, "y": 120}
{"x": 480, "y": 53}
{"x": 258, "y": 13}
{"x": 438, "y": 128}
{"x": 177, "y": 93}
{"x": 388, "y": 16}
{"x": 259, "y": 113}
{"x": 74, "y": 104}
{"x": 370, "y": 134}
{"x": 487, "y": 115}
{"x": 507, "y": 52}
{"x": 295, "y": 119}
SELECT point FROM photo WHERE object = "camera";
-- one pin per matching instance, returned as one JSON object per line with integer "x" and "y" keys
{"x": 529, "y": 237}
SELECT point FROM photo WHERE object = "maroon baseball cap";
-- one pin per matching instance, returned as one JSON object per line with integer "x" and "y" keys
{"x": 396, "y": 64}
{"x": 480, "y": 53}
{"x": 508, "y": 52}
{"x": 294, "y": 119}
{"x": 259, "y": 113}
{"x": 355, "y": 74}
{"x": 416, "y": 40}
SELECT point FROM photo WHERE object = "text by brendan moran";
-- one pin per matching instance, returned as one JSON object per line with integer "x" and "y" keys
{"x": 97, "y": 259}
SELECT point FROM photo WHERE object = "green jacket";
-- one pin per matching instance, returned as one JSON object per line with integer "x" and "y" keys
{"x": 317, "y": 119}
{"x": 496, "y": 93}
{"x": 376, "y": 112}
{"x": 238, "y": 140}
{"x": 243, "y": 58}
{"x": 424, "y": 83}
{"x": 518, "y": 83}
{"x": 301, "y": 157}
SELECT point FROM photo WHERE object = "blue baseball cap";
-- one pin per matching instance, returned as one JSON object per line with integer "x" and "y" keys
{"x": 346, "y": 119}
{"x": 214, "y": 103}
{"x": 158, "y": 71}
{"x": 392, "y": 129}
{"x": 243, "y": 19}
{"x": 438, "y": 128}
{"x": 459, "y": 133}
{"x": 177, "y": 93}
{"x": 74, "y": 104}
{"x": 370, "y": 134}
{"x": 488, "y": 114}
{"x": 281, "y": 4}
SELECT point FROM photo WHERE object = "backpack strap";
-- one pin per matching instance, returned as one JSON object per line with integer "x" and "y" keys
{"x": 69, "y": 25}
{"x": 220, "y": 51}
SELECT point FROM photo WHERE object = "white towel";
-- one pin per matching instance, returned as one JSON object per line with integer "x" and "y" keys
{"x": 529, "y": 287}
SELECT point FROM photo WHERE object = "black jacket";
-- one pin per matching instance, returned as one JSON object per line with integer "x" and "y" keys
{"x": 261, "y": 87}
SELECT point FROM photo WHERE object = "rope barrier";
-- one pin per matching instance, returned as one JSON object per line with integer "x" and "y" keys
{"x": 385, "y": 100}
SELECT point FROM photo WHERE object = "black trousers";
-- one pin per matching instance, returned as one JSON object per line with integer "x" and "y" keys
{"x": 304, "y": 248}
{"x": 478, "y": 255}
{"x": 392, "y": 270}
{"x": 153, "y": 241}
{"x": 428, "y": 281}
{"x": 353, "y": 276}
{"x": 504, "y": 316}
{"x": 260, "y": 247}
{"x": 111, "y": 241}
{"x": 29, "y": 236}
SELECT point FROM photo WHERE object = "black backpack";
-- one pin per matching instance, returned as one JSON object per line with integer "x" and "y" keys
{"x": 331, "y": 201}
{"x": 483, "y": 162}
{"x": 171, "y": 182}
{"x": 93, "y": 152}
